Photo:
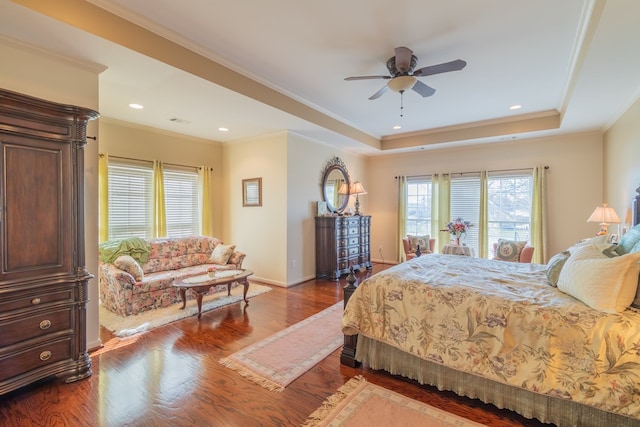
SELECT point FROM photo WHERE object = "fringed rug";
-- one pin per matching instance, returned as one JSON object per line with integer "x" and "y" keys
{"x": 278, "y": 360}
{"x": 123, "y": 326}
{"x": 362, "y": 404}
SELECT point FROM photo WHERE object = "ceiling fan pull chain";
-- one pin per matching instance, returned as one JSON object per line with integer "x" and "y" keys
{"x": 401, "y": 103}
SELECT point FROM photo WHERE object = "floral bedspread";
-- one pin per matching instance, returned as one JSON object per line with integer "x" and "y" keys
{"x": 502, "y": 321}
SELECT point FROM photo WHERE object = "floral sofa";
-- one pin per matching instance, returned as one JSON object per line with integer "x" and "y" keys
{"x": 142, "y": 279}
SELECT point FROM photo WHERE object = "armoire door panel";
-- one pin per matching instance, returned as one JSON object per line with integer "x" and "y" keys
{"x": 36, "y": 214}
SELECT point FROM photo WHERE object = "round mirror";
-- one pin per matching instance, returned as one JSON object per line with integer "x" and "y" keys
{"x": 335, "y": 185}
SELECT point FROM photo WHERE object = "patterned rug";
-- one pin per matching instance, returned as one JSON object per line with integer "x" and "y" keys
{"x": 362, "y": 404}
{"x": 123, "y": 326}
{"x": 278, "y": 360}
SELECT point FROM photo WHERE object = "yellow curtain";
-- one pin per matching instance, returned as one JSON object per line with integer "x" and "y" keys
{"x": 483, "y": 226}
{"x": 440, "y": 211}
{"x": 402, "y": 216}
{"x": 159, "y": 212}
{"x": 205, "y": 175}
{"x": 539, "y": 216}
{"x": 103, "y": 197}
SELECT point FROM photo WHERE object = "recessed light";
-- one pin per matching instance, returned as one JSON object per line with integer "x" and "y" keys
{"x": 396, "y": 127}
{"x": 223, "y": 129}
{"x": 515, "y": 107}
{"x": 136, "y": 106}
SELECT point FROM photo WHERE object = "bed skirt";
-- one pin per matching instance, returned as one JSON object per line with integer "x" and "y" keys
{"x": 378, "y": 355}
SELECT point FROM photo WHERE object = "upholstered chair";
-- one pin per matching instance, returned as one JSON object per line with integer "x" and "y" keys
{"x": 409, "y": 254}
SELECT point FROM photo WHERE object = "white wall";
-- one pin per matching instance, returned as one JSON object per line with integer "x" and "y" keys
{"x": 259, "y": 231}
{"x": 574, "y": 182}
{"x": 622, "y": 163}
{"x": 306, "y": 161}
{"x": 36, "y": 73}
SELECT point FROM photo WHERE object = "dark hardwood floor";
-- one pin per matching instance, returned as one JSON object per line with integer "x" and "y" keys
{"x": 171, "y": 375}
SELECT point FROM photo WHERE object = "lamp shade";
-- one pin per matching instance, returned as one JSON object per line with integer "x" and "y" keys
{"x": 401, "y": 83}
{"x": 604, "y": 215}
{"x": 357, "y": 188}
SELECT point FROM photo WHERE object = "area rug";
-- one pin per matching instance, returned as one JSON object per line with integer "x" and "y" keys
{"x": 123, "y": 326}
{"x": 362, "y": 404}
{"x": 278, "y": 360}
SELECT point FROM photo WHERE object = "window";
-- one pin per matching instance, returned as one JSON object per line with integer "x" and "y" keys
{"x": 510, "y": 198}
{"x": 509, "y": 206}
{"x": 418, "y": 216}
{"x": 181, "y": 202}
{"x": 464, "y": 202}
{"x": 130, "y": 200}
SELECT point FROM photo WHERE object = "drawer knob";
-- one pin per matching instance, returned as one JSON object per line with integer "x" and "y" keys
{"x": 45, "y": 355}
{"x": 35, "y": 301}
{"x": 45, "y": 324}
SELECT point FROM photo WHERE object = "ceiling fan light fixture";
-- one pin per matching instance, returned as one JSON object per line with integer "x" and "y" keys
{"x": 401, "y": 83}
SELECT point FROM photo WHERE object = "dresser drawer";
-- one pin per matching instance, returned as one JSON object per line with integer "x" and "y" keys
{"x": 35, "y": 299}
{"x": 353, "y": 231}
{"x": 35, "y": 357}
{"x": 353, "y": 241}
{"x": 36, "y": 325}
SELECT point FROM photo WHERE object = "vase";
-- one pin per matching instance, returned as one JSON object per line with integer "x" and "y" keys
{"x": 457, "y": 241}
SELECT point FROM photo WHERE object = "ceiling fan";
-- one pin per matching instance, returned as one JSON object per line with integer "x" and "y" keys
{"x": 403, "y": 76}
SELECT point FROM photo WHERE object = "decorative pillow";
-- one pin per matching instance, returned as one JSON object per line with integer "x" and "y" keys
{"x": 130, "y": 265}
{"x": 629, "y": 240}
{"x": 221, "y": 254}
{"x": 509, "y": 250}
{"x": 423, "y": 241}
{"x": 605, "y": 284}
{"x": 554, "y": 266}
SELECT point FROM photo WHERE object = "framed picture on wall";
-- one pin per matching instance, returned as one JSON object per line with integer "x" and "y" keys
{"x": 252, "y": 192}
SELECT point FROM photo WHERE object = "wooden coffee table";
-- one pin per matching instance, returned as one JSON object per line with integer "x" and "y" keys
{"x": 202, "y": 283}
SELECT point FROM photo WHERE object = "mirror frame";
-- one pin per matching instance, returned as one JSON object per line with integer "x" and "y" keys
{"x": 335, "y": 164}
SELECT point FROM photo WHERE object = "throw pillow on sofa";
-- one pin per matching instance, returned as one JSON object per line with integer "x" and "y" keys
{"x": 130, "y": 265}
{"x": 221, "y": 254}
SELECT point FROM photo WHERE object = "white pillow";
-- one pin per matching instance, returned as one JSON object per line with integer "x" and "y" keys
{"x": 221, "y": 254}
{"x": 605, "y": 284}
{"x": 130, "y": 265}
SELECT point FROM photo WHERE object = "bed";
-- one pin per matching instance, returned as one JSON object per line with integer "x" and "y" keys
{"x": 524, "y": 337}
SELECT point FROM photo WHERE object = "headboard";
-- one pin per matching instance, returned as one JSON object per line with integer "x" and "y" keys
{"x": 635, "y": 208}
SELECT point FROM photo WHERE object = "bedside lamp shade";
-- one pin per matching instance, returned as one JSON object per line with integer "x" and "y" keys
{"x": 604, "y": 215}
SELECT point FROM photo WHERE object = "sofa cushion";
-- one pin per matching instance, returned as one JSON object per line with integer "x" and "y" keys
{"x": 130, "y": 265}
{"x": 174, "y": 253}
{"x": 221, "y": 254}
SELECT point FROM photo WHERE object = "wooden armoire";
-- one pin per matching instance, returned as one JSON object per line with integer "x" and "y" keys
{"x": 43, "y": 277}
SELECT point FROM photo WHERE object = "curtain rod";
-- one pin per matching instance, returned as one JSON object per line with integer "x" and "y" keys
{"x": 463, "y": 173}
{"x": 151, "y": 161}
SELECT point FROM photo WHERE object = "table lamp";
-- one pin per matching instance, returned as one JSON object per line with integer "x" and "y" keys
{"x": 604, "y": 215}
{"x": 357, "y": 189}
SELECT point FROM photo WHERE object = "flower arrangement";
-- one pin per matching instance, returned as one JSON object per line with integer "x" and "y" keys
{"x": 211, "y": 271}
{"x": 458, "y": 227}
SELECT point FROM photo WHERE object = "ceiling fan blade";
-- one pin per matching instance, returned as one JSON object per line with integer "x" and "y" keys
{"x": 423, "y": 89}
{"x": 403, "y": 58}
{"x": 379, "y": 93}
{"x": 456, "y": 65}
{"x": 367, "y": 77}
